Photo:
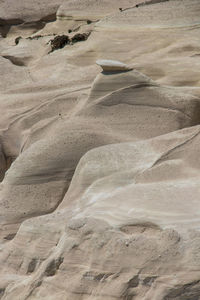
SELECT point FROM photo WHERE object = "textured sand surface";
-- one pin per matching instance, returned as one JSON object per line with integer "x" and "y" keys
{"x": 99, "y": 162}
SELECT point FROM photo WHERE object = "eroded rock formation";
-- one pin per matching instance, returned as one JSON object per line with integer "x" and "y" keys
{"x": 99, "y": 163}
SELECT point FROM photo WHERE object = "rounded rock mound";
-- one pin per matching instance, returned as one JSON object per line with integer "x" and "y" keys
{"x": 112, "y": 65}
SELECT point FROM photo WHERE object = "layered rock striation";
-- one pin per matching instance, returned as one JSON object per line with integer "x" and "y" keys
{"x": 99, "y": 150}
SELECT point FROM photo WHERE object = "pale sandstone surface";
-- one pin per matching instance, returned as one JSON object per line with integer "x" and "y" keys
{"x": 121, "y": 107}
{"x": 126, "y": 224}
{"x": 92, "y": 8}
{"x": 26, "y": 17}
{"x": 139, "y": 246}
{"x": 15, "y": 12}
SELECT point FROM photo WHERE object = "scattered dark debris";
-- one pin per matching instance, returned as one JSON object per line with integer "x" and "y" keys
{"x": 59, "y": 42}
{"x": 79, "y": 37}
{"x": 35, "y": 37}
{"x": 17, "y": 40}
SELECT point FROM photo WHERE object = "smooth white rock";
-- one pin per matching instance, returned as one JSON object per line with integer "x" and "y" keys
{"x": 112, "y": 65}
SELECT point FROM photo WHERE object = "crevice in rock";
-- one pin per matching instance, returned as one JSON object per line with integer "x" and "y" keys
{"x": 184, "y": 292}
{"x": 128, "y": 293}
{"x": 53, "y": 266}
{"x": 149, "y": 280}
{"x": 128, "y": 296}
{"x": 5, "y": 25}
{"x": 32, "y": 265}
{"x": 37, "y": 284}
{"x": 10, "y": 236}
{"x": 133, "y": 282}
{"x": 134, "y": 228}
{"x": 5, "y": 162}
{"x": 9, "y": 161}
{"x": 15, "y": 60}
{"x": 17, "y": 40}
{"x": 49, "y": 18}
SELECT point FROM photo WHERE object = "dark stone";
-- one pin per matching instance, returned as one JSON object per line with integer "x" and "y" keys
{"x": 36, "y": 37}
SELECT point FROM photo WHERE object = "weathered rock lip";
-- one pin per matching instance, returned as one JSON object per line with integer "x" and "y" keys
{"x": 113, "y": 65}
